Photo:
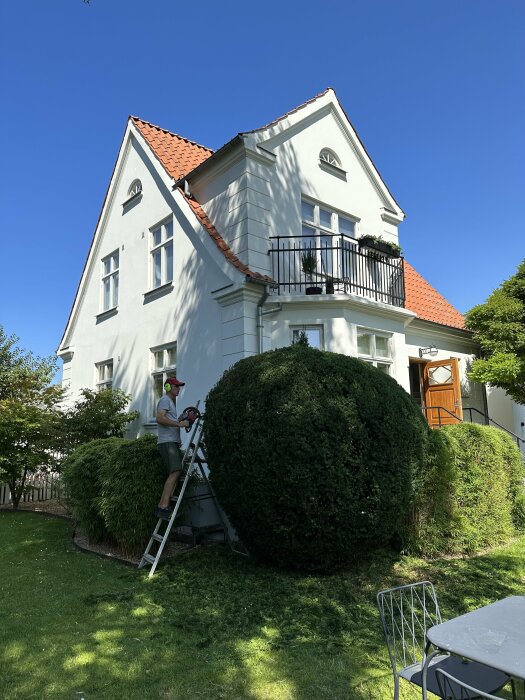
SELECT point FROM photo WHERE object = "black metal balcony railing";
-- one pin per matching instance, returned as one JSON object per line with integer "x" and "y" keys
{"x": 337, "y": 267}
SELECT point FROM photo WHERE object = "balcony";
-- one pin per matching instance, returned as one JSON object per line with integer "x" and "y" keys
{"x": 334, "y": 265}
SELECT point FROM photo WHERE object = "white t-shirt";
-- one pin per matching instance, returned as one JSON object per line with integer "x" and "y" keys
{"x": 167, "y": 433}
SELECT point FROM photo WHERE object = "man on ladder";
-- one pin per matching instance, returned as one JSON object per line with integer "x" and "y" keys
{"x": 169, "y": 441}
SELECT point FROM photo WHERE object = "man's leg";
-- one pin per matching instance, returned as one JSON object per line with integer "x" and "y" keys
{"x": 170, "y": 484}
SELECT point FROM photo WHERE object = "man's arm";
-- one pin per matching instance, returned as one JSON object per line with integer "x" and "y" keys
{"x": 163, "y": 419}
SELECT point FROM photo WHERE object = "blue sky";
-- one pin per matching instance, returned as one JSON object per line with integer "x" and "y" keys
{"x": 434, "y": 88}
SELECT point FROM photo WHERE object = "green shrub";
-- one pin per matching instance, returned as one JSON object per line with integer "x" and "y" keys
{"x": 131, "y": 484}
{"x": 484, "y": 471}
{"x": 434, "y": 516}
{"x": 316, "y": 457}
{"x": 81, "y": 474}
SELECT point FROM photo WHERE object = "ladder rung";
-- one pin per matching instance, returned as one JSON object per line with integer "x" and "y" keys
{"x": 157, "y": 538}
{"x": 149, "y": 558}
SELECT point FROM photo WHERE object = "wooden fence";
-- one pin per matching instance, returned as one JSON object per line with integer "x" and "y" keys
{"x": 39, "y": 487}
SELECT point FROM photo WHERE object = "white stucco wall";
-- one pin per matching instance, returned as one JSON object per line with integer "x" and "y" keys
{"x": 211, "y": 311}
{"x": 185, "y": 313}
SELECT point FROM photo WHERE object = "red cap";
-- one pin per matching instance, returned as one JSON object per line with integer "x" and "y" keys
{"x": 174, "y": 381}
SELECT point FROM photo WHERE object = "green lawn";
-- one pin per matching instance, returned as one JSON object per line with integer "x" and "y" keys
{"x": 209, "y": 624}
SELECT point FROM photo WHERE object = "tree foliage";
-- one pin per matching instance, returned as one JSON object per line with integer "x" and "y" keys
{"x": 98, "y": 414}
{"x": 30, "y": 416}
{"x": 499, "y": 328}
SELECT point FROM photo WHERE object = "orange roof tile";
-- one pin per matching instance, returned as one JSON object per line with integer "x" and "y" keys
{"x": 427, "y": 303}
{"x": 178, "y": 155}
{"x": 221, "y": 243}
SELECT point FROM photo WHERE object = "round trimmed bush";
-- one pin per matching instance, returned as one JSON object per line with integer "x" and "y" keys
{"x": 314, "y": 456}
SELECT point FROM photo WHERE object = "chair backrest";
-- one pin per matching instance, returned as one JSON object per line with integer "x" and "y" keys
{"x": 455, "y": 689}
{"x": 406, "y": 614}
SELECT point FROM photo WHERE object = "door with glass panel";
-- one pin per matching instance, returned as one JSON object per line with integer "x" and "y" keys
{"x": 442, "y": 392}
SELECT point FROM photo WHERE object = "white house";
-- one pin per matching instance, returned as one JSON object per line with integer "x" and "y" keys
{"x": 198, "y": 260}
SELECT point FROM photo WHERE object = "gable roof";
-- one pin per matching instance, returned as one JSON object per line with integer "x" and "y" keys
{"x": 177, "y": 155}
{"x": 427, "y": 302}
{"x": 180, "y": 156}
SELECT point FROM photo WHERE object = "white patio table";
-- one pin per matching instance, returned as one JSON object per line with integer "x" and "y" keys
{"x": 493, "y": 635}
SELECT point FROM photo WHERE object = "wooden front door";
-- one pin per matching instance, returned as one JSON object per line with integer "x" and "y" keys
{"x": 442, "y": 388}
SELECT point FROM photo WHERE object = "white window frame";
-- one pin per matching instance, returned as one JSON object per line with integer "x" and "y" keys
{"x": 135, "y": 188}
{"x": 322, "y": 229}
{"x": 110, "y": 281}
{"x": 329, "y": 263}
{"x": 374, "y": 358}
{"x": 162, "y": 371}
{"x": 104, "y": 374}
{"x": 296, "y": 329}
{"x": 159, "y": 252}
{"x": 328, "y": 156}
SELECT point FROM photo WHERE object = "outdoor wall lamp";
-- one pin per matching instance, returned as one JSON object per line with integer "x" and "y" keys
{"x": 431, "y": 350}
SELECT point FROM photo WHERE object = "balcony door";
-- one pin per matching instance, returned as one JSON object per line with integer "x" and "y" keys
{"x": 442, "y": 390}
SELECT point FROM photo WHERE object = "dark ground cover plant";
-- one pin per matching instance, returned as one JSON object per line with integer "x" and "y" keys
{"x": 321, "y": 460}
{"x": 114, "y": 486}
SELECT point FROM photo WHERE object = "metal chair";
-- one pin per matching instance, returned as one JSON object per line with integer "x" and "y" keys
{"x": 455, "y": 689}
{"x": 407, "y": 612}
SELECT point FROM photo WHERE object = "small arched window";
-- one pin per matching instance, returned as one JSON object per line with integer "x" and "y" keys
{"x": 135, "y": 188}
{"x": 328, "y": 156}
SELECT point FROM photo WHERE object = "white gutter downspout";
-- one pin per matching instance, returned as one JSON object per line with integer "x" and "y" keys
{"x": 260, "y": 325}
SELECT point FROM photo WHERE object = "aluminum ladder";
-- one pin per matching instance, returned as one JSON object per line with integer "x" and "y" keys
{"x": 192, "y": 463}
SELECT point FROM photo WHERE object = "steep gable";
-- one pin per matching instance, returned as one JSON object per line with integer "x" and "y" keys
{"x": 178, "y": 155}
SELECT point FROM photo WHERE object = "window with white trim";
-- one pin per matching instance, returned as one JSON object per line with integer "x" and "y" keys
{"x": 314, "y": 335}
{"x": 104, "y": 374}
{"x": 319, "y": 226}
{"x": 161, "y": 250}
{"x": 163, "y": 365}
{"x": 375, "y": 348}
{"x": 328, "y": 156}
{"x": 135, "y": 188}
{"x": 110, "y": 281}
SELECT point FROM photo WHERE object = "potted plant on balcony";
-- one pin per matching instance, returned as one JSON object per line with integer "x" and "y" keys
{"x": 309, "y": 265}
{"x": 392, "y": 250}
{"x": 330, "y": 287}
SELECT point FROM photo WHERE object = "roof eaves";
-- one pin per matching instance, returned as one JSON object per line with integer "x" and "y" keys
{"x": 221, "y": 243}
{"x": 216, "y": 155}
{"x": 171, "y": 133}
{"x": 69, "y": 318}
{"x": 288, "y": 114}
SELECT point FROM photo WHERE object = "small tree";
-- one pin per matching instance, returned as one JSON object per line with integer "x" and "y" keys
{"x": 98, "y": 414}
{"x": 30, "y": 416}
{"x": 499, "y": 328}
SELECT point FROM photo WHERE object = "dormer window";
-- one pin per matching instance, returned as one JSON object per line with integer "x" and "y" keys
{"x": 135, "y": 188}
{"x": 328, "y": 156}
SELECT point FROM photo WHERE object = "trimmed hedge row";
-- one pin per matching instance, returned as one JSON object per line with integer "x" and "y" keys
{"x": 474, "y": 495}
{"x": 114, "y": 486}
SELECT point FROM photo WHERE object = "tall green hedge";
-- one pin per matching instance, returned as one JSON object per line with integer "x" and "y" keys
{"x": 81, "y": 472}
{"x": 315, "y": 456}
{"x": 131, "y": 484}
{"x": 114, "y": 487}
{"x": 472, "y": 496}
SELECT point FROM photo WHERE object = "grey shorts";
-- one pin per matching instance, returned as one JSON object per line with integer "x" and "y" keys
{"x": 171, "y": 456}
